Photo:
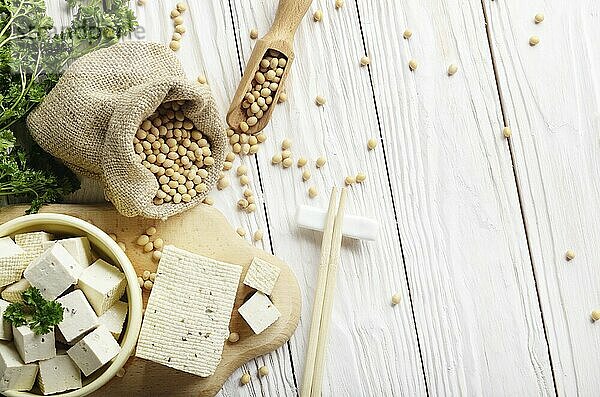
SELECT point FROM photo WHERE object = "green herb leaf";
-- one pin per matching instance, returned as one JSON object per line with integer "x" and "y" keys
{"x": 32, "y": 58}
{"x": 15, "y": 314}
{"x": 38, "y": 313}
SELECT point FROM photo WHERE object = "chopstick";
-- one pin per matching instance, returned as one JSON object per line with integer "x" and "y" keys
{"x": 324, "y": 293}
{"x": 334, "y": 258}
{"x": 313, "y": 338}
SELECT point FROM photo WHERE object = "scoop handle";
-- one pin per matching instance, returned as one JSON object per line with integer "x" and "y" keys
{"x": 288, "y": 17}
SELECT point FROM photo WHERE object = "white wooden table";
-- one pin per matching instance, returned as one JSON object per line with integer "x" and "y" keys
{"x": 474, "y": 227}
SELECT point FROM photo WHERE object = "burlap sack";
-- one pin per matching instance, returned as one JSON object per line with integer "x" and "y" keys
{"x": 90, "y": 118}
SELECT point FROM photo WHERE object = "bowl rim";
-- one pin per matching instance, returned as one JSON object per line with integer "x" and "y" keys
{"x": 134, "y": 293}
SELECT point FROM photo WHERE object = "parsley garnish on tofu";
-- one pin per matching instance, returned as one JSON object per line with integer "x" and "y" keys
{"x": 38, "y": 313}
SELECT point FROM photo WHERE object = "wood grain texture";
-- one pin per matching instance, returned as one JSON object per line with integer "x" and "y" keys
{"x": 373, "y": 348}
{"x": 469, "y": 271}
{"x": 442, "y": 183}
{"x": 206, "y": 233}
{"x": 551, "y": 100}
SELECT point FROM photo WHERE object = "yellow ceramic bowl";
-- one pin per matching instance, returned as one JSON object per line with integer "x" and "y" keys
{"x": 104, "y": 246}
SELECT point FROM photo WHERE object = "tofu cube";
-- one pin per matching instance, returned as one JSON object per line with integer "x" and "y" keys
{"x": 11, "y": 261}
{"x": 58, "y": 374}
{"x": 259, "y": 312}
{"x": 78, "y": 316}
{"x": 14, "y": 292}
{"x": 78, "y": 247}
{"x": 103, "y": 285}
{"x": 94, "y": 350}
{"x": 9, "y": 248}
{"x": 5, "y": 326}
{"x": 114, "y": 318}
{"x": 32, "y": 347}
{"x": 15, "y": 374}
{"x": 33, "y": 245}
{"x": 53, "y": 272}
{"x": 58, "y": 336}
{"x": 262, "y": 276}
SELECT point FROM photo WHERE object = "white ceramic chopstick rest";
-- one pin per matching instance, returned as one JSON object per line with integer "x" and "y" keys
{"x": 356, "y": 227}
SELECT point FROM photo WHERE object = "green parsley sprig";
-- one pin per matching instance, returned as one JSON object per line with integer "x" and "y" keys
{"x": 32, "y": 58}
{"x": 39, "y": 314}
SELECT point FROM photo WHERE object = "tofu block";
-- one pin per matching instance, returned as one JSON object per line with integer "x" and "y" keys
{"x": 114, "y": 318}
{"x": 94, "y": 350}
{"x": 53, "y": 272}
{"x": 9, "y": 248}
{"x": 5, "y": 326}
{"x": 103, "y": 285}
{"x": 78, "y": 247}
{"x": 262, "y": 276}
{"x": 58, "y": 374}
{"x": 259, "y": 312}
{"x": 78, "y": 316}
{"x": 32, "y": 347}
{"x": 33, "y": 245}
{"x": 15, "y": 374}
{"x": 14, "y": 292}
{"x": 58, "y": 336}
{"x": 187, "y": 317}
{"x": 11, "y": 261}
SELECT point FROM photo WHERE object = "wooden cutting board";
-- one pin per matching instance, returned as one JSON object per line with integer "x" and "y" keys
{"x": 205, "y": 231}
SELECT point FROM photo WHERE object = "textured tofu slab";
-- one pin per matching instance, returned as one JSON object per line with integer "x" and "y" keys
{"x": 262, "y": 276}
{"x": 259, "y": 312}
{"x": 103, "y": 284}
{"x": 94, "y": 350}
{"x": 78, "y": 247}
{"x": 53, "y": 272}
{"x": 188, "y": 313}
{"x": 114, "y": 318}
{"x": 14, "y": 373}
{"x": 78, "y": 316}
{"x": 5, "y": 326}
{"x": 58, "y": 374}
{"x": 32, "y": 347}
{"x": 14, "y": 292}
{"x": 11, "y": 261}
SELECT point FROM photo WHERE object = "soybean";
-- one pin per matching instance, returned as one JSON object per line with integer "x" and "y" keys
{"x": 539, "y": 18}
{"x": 534, "y": 40}
{"x": 372, "y": 143}
{"x": 452, "y": 69}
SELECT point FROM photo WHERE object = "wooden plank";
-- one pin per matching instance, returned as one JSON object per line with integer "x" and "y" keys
{"x": 373, "y": 348}
{"x": 551, "y": 97}
{"x": 470, "y": 275}
{"x": 208, "y": 48}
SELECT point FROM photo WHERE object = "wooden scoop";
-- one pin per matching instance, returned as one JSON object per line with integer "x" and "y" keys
{"x": 279, "y": 38}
